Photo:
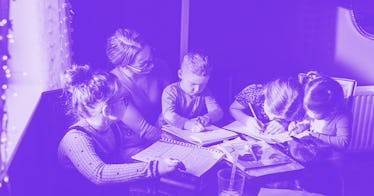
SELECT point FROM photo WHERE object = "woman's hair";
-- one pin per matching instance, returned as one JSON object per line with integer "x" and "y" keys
{"x": 323, "y": 96}
{"x": 123, "y": 46}
{"x": 285, "y": 98}
{"x": 196, "y": 63}
{"x": 89, "y": 89}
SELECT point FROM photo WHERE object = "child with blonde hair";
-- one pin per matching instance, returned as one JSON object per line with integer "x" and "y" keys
{"x": 188, "y": 104}
{"x": 94, "y": 145}
{"x": 271, "y": 107}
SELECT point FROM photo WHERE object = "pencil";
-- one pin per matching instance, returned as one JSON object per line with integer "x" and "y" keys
{"x": 252, "y": 110}
{"x": 251, "y": 151}
{"x": 254, "y": 114}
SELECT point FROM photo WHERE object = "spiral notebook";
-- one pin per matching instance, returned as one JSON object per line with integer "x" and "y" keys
{"x": 197, "y": 159}
{"x": 211, "y": 135}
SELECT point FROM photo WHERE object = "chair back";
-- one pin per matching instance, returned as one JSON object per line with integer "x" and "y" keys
{"x": 34, "y": 169}
{"x": 349, "y": 86}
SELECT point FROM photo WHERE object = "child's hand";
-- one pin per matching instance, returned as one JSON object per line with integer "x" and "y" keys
{"x": 275, "y": 127}
{"x": 203, "y": 120}
{"x": 292, "y": 126}
{"x": 296, "y": 128}
{"x": 254, "y": 124}
{"x": 194, "y": 125}
{"x": 168, "y": 165}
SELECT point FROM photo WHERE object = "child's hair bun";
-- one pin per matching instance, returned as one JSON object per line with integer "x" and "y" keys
{"x": 77, "y": 75}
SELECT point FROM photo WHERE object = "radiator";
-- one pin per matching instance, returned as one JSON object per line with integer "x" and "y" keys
{"x": 363, "y": 119}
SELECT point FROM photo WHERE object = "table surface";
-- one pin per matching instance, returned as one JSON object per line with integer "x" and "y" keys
{"x": 261, "y": 171}
{"x": 254, "y": 176}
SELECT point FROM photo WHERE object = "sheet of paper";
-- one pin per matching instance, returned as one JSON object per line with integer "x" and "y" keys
{"x": 197, "y": 159}
{"x": 238, "y": 127}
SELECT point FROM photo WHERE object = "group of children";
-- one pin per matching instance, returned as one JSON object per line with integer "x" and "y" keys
{"x": 112, "y": 122}
{"x": 306, "y": 102}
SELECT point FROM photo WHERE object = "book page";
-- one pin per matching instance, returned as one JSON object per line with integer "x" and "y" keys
{"x": 212, "y": 134}
{"x": 238, "y": 127}
{"x": 197, "y": 159}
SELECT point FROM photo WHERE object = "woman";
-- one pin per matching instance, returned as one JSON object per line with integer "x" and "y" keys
{"x": 136, "y": 70}
{"x": 94, "y": 145}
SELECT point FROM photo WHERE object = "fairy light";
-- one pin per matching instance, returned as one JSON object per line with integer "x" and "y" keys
{"x": 5, "y": 57}
{"x": 6, "y": 37}
{"x": 61, "y": 45}
{"x": 3, "y": 22}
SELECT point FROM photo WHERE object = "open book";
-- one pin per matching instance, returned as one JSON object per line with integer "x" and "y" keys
{"x": 251, "y": 155}
{"x": 238, "y": 127}
{"x": 197, "y": 159}
{"x": 212, "y": 134}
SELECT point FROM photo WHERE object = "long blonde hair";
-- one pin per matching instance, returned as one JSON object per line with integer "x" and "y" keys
{"x": 285, "y": 98}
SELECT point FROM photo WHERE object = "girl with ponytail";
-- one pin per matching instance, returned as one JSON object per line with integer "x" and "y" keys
{"x": 330, "y": 120}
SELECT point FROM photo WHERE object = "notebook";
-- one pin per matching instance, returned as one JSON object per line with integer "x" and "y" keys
{"x": 238, "y": 127}
{"x": 252, "y": 155}
{"x": 212, "y": 134}
{"x": 197, "y": 159}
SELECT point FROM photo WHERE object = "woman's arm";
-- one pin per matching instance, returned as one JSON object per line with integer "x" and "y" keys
{"x": 78, "y": 147}
{"x": 135, "y": 121}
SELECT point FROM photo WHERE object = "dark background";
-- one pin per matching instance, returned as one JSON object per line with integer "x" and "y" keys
{"x": 247, "y": 41}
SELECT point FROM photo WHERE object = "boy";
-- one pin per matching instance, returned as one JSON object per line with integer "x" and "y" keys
{"x": 187, "y": 104}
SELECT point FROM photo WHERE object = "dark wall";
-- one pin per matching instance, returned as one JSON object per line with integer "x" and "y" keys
{"x": 256, "y": 41}
{"x": 95, "y": 21}
{"x": 247, "y": 41}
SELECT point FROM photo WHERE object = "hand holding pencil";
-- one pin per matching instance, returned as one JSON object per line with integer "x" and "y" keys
{"x": 197, "y": 124}
{"x": 167, "y": 165}
{"x": 254, "y": 122}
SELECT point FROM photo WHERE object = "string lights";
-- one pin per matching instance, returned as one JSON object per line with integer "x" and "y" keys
{"x": 59, "y": 14}
{"x": 6, "y": 38}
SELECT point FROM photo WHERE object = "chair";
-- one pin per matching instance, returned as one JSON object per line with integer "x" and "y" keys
{"x": 34, "y": 169}
{"x": 358, "y": 157}
{"x": 349, "y": 86}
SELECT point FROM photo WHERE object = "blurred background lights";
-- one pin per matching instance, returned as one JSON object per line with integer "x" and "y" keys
{"x": 3, "y": 22}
